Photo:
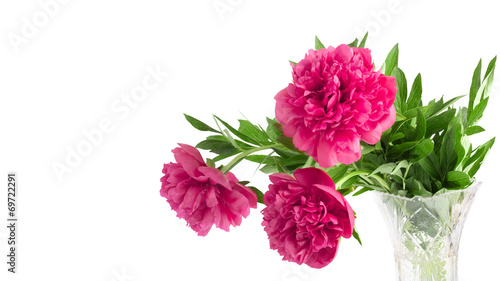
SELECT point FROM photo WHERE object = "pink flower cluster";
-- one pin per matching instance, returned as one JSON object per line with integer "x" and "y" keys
{"x": 203, "y": 195}
{"x": 335, "y": 101}
{"x": 305, "y": 217}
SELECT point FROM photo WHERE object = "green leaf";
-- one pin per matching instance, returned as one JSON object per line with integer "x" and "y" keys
{"x": 292, "y": 62}
{"x": 477, "y": 112}
{"x": 457, "y": 179}
{"x": 286, "y": 153}
{"x": 368, "y": 187}
{"x": 401, "y": 94}
{"x": 446, "y": 150}
{"x": 295, "y": 160}
{"x": 256, "y": 158}
{"x": 361, "y": 191}
{"x": 386, "y": 168}
{"x": 415, "y": 98}
{"x": 416, "y": 188}
{"x": 259, "y": 194}
{"x": 439, "y": 122}
{"x": 349, "y": 182}
{"x": 346, "y": 191}
{"x": 317, "y": 44}
{"x": 281, "y": 168}
{"x": 451, "y": 151}
{"x": 353, "y": 44}
{"x": 269, "y": 169}
{"x": 475, "y": 162}
{"x": 197, "y": 124}
{"x": 490, "y": 68}
{"x": 367, "y": 148}
{"x": 421, "y": 150}
{"x": 337, "y": 172}
{"x": 397, "y": 136}
{"x": 430, "y": 164}
{"x": 437, "y": 107}
{"x": 255, "y": 133}
{"x": 402, "y": 164}
{"x": 488, "y": 79}
{"x": 400, "y": 117}
{"x": 363, "y": 41}
{"x": 399, "y": 149}
{"x": 474, "y": 130}
{"x": 218, "y": 147}
{"x": 421, "y": 126}
{"x": 392, "y": 60}
{"x": 287, "y": 142}
{"x": 474, "y": 87}
{"x": 355, "y": 233}
{"x": 243, "y": 137}
{"x": 230, "y": 138}
{"x": 402, "y": 193}
{"x": 271, "y": 130}
{"x": 412, "y": 113}
{"x": 210, "y": 163}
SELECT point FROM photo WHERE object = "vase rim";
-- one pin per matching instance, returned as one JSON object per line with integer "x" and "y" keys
{"x": 474, "y": 185}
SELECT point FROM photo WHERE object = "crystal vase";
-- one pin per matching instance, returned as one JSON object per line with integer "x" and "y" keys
{"x": 425, "y": 232}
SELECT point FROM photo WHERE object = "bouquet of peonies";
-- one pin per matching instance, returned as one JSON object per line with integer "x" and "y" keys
{"x": 341, "y": 127}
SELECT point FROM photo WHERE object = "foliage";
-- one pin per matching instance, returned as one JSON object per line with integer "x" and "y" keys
{"x": 426, "y": 152}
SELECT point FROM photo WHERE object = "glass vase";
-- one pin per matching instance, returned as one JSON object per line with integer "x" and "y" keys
{"x": 425, "y": 232}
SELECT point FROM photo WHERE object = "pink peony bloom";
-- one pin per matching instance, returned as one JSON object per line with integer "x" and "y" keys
{"x": 202, "y": 195}
{"x": 305, "y": 216}
{"x": 336, "y": 99}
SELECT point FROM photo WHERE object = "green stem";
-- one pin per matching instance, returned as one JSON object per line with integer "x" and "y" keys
{"x": 244, "y": 154}
{"x": 404, "y": 177}
{"x": 350, "y": 175}
{"x": 381, "y": 181}
{"x": 309, "y": 163}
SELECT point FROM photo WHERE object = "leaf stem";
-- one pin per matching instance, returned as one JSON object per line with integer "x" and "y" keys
{"x": 350, "y": 175}
{"x": 405, "y": 175}
{"x": 309, "y": 163}
{"x": 244, "y": 154}
{"x": 381, "y": 181}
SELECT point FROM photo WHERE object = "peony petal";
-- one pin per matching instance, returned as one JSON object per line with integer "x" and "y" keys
{"x": 349, "y": 228}
{"x": 304, "y": 139}
{"x": 211, "y": 198}
{"x": 349, "y": 156}
{"x": 373, "y": 136}
{"x": 326, "y": 154}
{"x": 389, "y": 119}
{"x": 215, "y": 176}
{"x": 189, "y": 163}
{"x": 312, "y": 176}
{"x": 342, "y": 53}
{"x": 323, "y": 257}
{"x": 193, "y": 152}
{"x": 247, "y": 192}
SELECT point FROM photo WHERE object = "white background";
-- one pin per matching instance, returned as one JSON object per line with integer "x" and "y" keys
{"x": 105, "y": 220}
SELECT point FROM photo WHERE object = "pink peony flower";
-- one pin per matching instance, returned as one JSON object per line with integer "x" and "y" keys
{"x": 336, "y": 99}
{"x": 202, "y": 195}
{"x": 305, "y": 216}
